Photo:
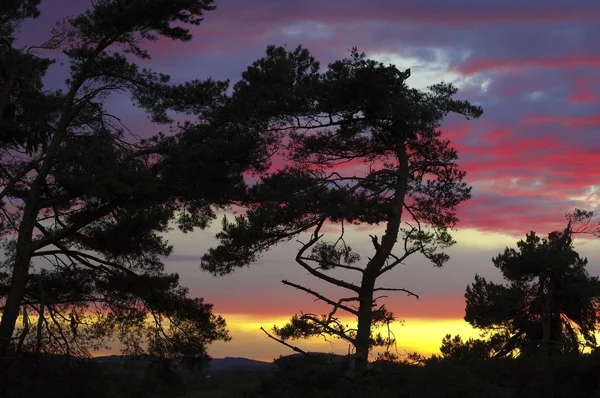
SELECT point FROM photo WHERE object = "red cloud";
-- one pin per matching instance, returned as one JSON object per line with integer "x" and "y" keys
{"x": 473, "y": 66}
{"x": 583, "y": 92}
{"x": 582, "y": 95}
{"x": 565, "y": 121}
{"x": 513, "y": 174}
{"x": 496, "y": 135}
{"x": 526, "y": 183}
{"x": 490, "y": 214}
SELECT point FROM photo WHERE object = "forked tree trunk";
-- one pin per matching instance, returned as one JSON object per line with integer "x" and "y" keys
{"x": 376, "y": 264}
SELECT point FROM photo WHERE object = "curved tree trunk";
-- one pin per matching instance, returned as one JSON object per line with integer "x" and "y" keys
{"x": 365, "y": 320}
{"x": 376, "y": 264}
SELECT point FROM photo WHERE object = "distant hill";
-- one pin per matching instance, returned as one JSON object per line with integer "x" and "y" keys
{"x": 216, "y": 365}
{"x": 230, "y": 363}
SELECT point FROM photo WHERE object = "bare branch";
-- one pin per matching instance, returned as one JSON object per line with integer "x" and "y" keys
{"x": 407, "y": 251}
{"x": 398, "y": 260}
{"x": 80, "y": 256}
{"x": 391, "y": 289}
{"x": 332, "y": 264}
{"x": 375, "y": 242}
{"x": 299, "y": 259}
{"x": 294, "y": 348}
{"x": 325, "y": 299}
{"x": 375, "y": 299}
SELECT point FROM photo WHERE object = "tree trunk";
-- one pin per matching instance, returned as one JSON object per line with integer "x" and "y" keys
{"x": 365, "y": 320}
{"x": 20, "y": 273}
{"x": 375, "y": 265}
{"x": 13, "y": 301}
{"x": 24, "y": 252}
{"x": 547, "y": 323}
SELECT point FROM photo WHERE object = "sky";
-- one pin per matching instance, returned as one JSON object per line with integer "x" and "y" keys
{"x": 532, "y": 157}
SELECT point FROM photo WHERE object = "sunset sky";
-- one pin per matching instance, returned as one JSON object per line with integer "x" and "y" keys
{"x": 534, "y": 66}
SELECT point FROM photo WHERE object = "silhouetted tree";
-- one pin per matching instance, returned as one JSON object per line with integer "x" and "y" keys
{"x": 471, "y": 350}
{"x": 361, "y": 148}
{"x": 550, "y": 304}
{"x": 84, "y": 203}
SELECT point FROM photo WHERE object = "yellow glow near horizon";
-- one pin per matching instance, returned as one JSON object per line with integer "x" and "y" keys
{"x": 423, "y": 336}
{"x": 413, "y": 335}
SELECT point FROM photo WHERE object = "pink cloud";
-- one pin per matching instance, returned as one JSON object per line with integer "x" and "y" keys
{"x": 583, "y": 92}
{"x": 496, "y": 135}
{"x": 474, "y": 65}
{"x": 565, "y": 121}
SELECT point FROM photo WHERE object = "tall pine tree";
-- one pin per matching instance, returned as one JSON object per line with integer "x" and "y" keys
{"x": 359, "y": 147}
{"x": 84, "y": 203}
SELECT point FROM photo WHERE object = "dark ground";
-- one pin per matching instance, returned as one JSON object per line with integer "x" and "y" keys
{"x": 293, "y": 376}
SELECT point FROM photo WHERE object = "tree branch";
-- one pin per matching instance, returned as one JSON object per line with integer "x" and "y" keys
{"x": 397, "y": 260}
{"x": 407, "y": 252}
{"x": 391, "y": 289}
{"x": 14, "y": 179}
{"x": 325, "y": 299}
{"x": 375, "y": 242}
{"x": 332, "y": 264}
{"x": 426, "y": 163}
{"x": 79, "y": 255}
{"x": 328, "y": 329}
{"x": 314, "y": 272}
{"x": 294, "y": 348}
{"x": 57, "y": 235}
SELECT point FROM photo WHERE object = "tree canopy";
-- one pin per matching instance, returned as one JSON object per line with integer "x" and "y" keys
{"x": 358, "y": 147}
{"x": 549, "y": 305}
{"x": 85, "y": 202}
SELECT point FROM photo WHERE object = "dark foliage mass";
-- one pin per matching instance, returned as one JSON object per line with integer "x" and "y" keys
{"x": 319, "y": 377}
{"x": 360, "y": 147}
{"x": 85, "y": 203}
{"x": 550, "y": 304}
